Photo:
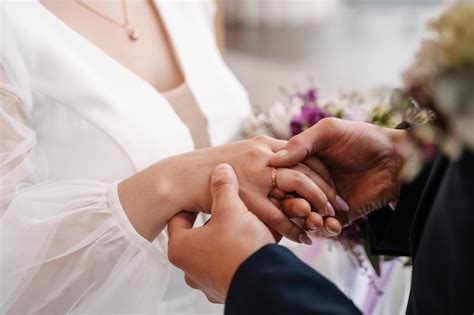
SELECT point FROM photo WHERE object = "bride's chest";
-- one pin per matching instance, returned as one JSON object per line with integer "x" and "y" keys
{"x": 94, "y": 117}
{"x": 150, "y": 55}
{"x": 108, "y": 128}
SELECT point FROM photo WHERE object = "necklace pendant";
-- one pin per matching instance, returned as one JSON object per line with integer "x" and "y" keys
{"x": 134, "y": 35}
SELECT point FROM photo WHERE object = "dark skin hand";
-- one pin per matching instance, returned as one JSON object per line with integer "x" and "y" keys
{"x": 362, "y": 159}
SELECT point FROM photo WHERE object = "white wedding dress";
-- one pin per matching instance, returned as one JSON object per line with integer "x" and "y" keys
{"x": 74, "y": 122}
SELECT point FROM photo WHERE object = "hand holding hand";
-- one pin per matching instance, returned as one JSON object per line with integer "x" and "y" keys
{"x": 182, "y": 183}
{"x": 210, "y": 255}
{"x": 361, "y": 158}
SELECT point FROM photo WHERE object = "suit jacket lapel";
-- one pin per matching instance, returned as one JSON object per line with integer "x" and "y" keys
{"x": 426, "y": 201}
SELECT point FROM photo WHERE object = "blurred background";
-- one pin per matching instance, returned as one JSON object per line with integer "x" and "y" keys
{"x": 348, "y": 44}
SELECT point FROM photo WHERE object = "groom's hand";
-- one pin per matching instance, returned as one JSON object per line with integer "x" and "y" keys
{"x": 361, "y": 157}
{"x": 210, "y": 255}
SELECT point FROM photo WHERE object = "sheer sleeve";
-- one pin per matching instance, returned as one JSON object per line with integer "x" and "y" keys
{"x": 66, "y": 245}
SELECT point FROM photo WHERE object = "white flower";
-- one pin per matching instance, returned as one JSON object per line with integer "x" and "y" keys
{"x": 296, "y": 102}
{"x": 414, "y": 160}
{"x": 455, "y": 95}
{"x": 280, "y": 118}
{"x": 255, "y": 124}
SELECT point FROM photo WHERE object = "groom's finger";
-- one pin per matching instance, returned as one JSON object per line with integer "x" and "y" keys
{"x": 293, "y": 181}
{"x": 317, "y": 166}
{"x": 327, "y": 189}
{"x": 225, "y": 190}
{"x": 296, "y": 207}
{"x": 332, "y": 227}
{"x": 314, "y": 222}
{"x": 304, "y": 144}
{"x": 182, "y": 221}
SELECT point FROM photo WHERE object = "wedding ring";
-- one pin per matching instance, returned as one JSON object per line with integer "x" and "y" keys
{"x": 274, "y": 179}
{"x": 275, "y": 192}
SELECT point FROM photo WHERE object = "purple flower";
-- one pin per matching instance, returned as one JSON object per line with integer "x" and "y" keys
{"x": 309, "y": 116}
{"x": 355, "y": 231}
{"x": 311, "y": 95}
{"x": 306, "y": 98}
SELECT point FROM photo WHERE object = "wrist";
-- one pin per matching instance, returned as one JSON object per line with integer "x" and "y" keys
{"x": 145, "y": 198}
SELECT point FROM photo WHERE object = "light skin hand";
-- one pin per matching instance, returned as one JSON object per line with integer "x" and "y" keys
{"x": 361, "y": 158}
{"x": 210, "y": 255}
{"x": 151, "y": 197}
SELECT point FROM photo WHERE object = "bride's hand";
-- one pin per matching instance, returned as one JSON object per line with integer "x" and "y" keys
{"x": 182, "y": 183}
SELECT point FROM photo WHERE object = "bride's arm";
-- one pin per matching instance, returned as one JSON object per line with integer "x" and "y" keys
{"x": 66, "y": 244}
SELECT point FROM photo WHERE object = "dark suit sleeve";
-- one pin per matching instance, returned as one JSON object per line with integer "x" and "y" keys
{"x": 389, "y": 230}
{"x": 274, "y": 281}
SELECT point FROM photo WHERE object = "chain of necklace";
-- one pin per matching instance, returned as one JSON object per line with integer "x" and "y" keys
{"x": 132, "y": 33}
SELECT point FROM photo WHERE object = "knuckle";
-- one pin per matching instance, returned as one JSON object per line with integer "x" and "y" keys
{"x": 261, "y": 138}
{"x": 221, "y": 182}
{"x": 211, "y": 299}
{"x": 329, "y": 123}
{"x": 255, "y": 152}
{"x": 301, "y": 142}
{"x": 189, "y": 281}
{"x": 297, "y": 141}
{"x": 298, "y": 179}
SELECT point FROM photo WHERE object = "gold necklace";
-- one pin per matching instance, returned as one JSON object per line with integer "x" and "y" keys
{"x": 132, "y": 33}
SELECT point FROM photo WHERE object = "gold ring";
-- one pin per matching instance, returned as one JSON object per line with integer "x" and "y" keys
{"x": 274, "y": 179}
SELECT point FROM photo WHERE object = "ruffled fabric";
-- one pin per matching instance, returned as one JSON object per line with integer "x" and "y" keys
{"x": 66, "y": 245}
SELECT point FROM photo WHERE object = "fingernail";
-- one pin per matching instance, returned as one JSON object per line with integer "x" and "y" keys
{"x": 341, "y": 204}
{"x": 328, "y": 229}
{"x": 330, "y": 209}
{"x": 281, "y": 154}
{"x": 303, "y": 238}
{"x": 312, "y": 227}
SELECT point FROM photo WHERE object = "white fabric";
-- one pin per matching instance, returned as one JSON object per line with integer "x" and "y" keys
{"x": 74, "y": 122}
{"x": 333, "y": 262}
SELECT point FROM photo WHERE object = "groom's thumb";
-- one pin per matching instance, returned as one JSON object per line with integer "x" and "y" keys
{"x": 225, "y": 189}
{"x": 304, "y": 144}
{"x": 297, "y": 149}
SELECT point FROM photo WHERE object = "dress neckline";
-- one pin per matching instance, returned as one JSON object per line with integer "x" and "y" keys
{"x": 117, "y": 63}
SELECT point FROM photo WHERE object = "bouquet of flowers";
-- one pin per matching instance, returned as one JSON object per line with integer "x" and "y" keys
{"x": 441, "y": 80}
{"x": 305, "y": 108}
{"x": 437, "y": 100}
